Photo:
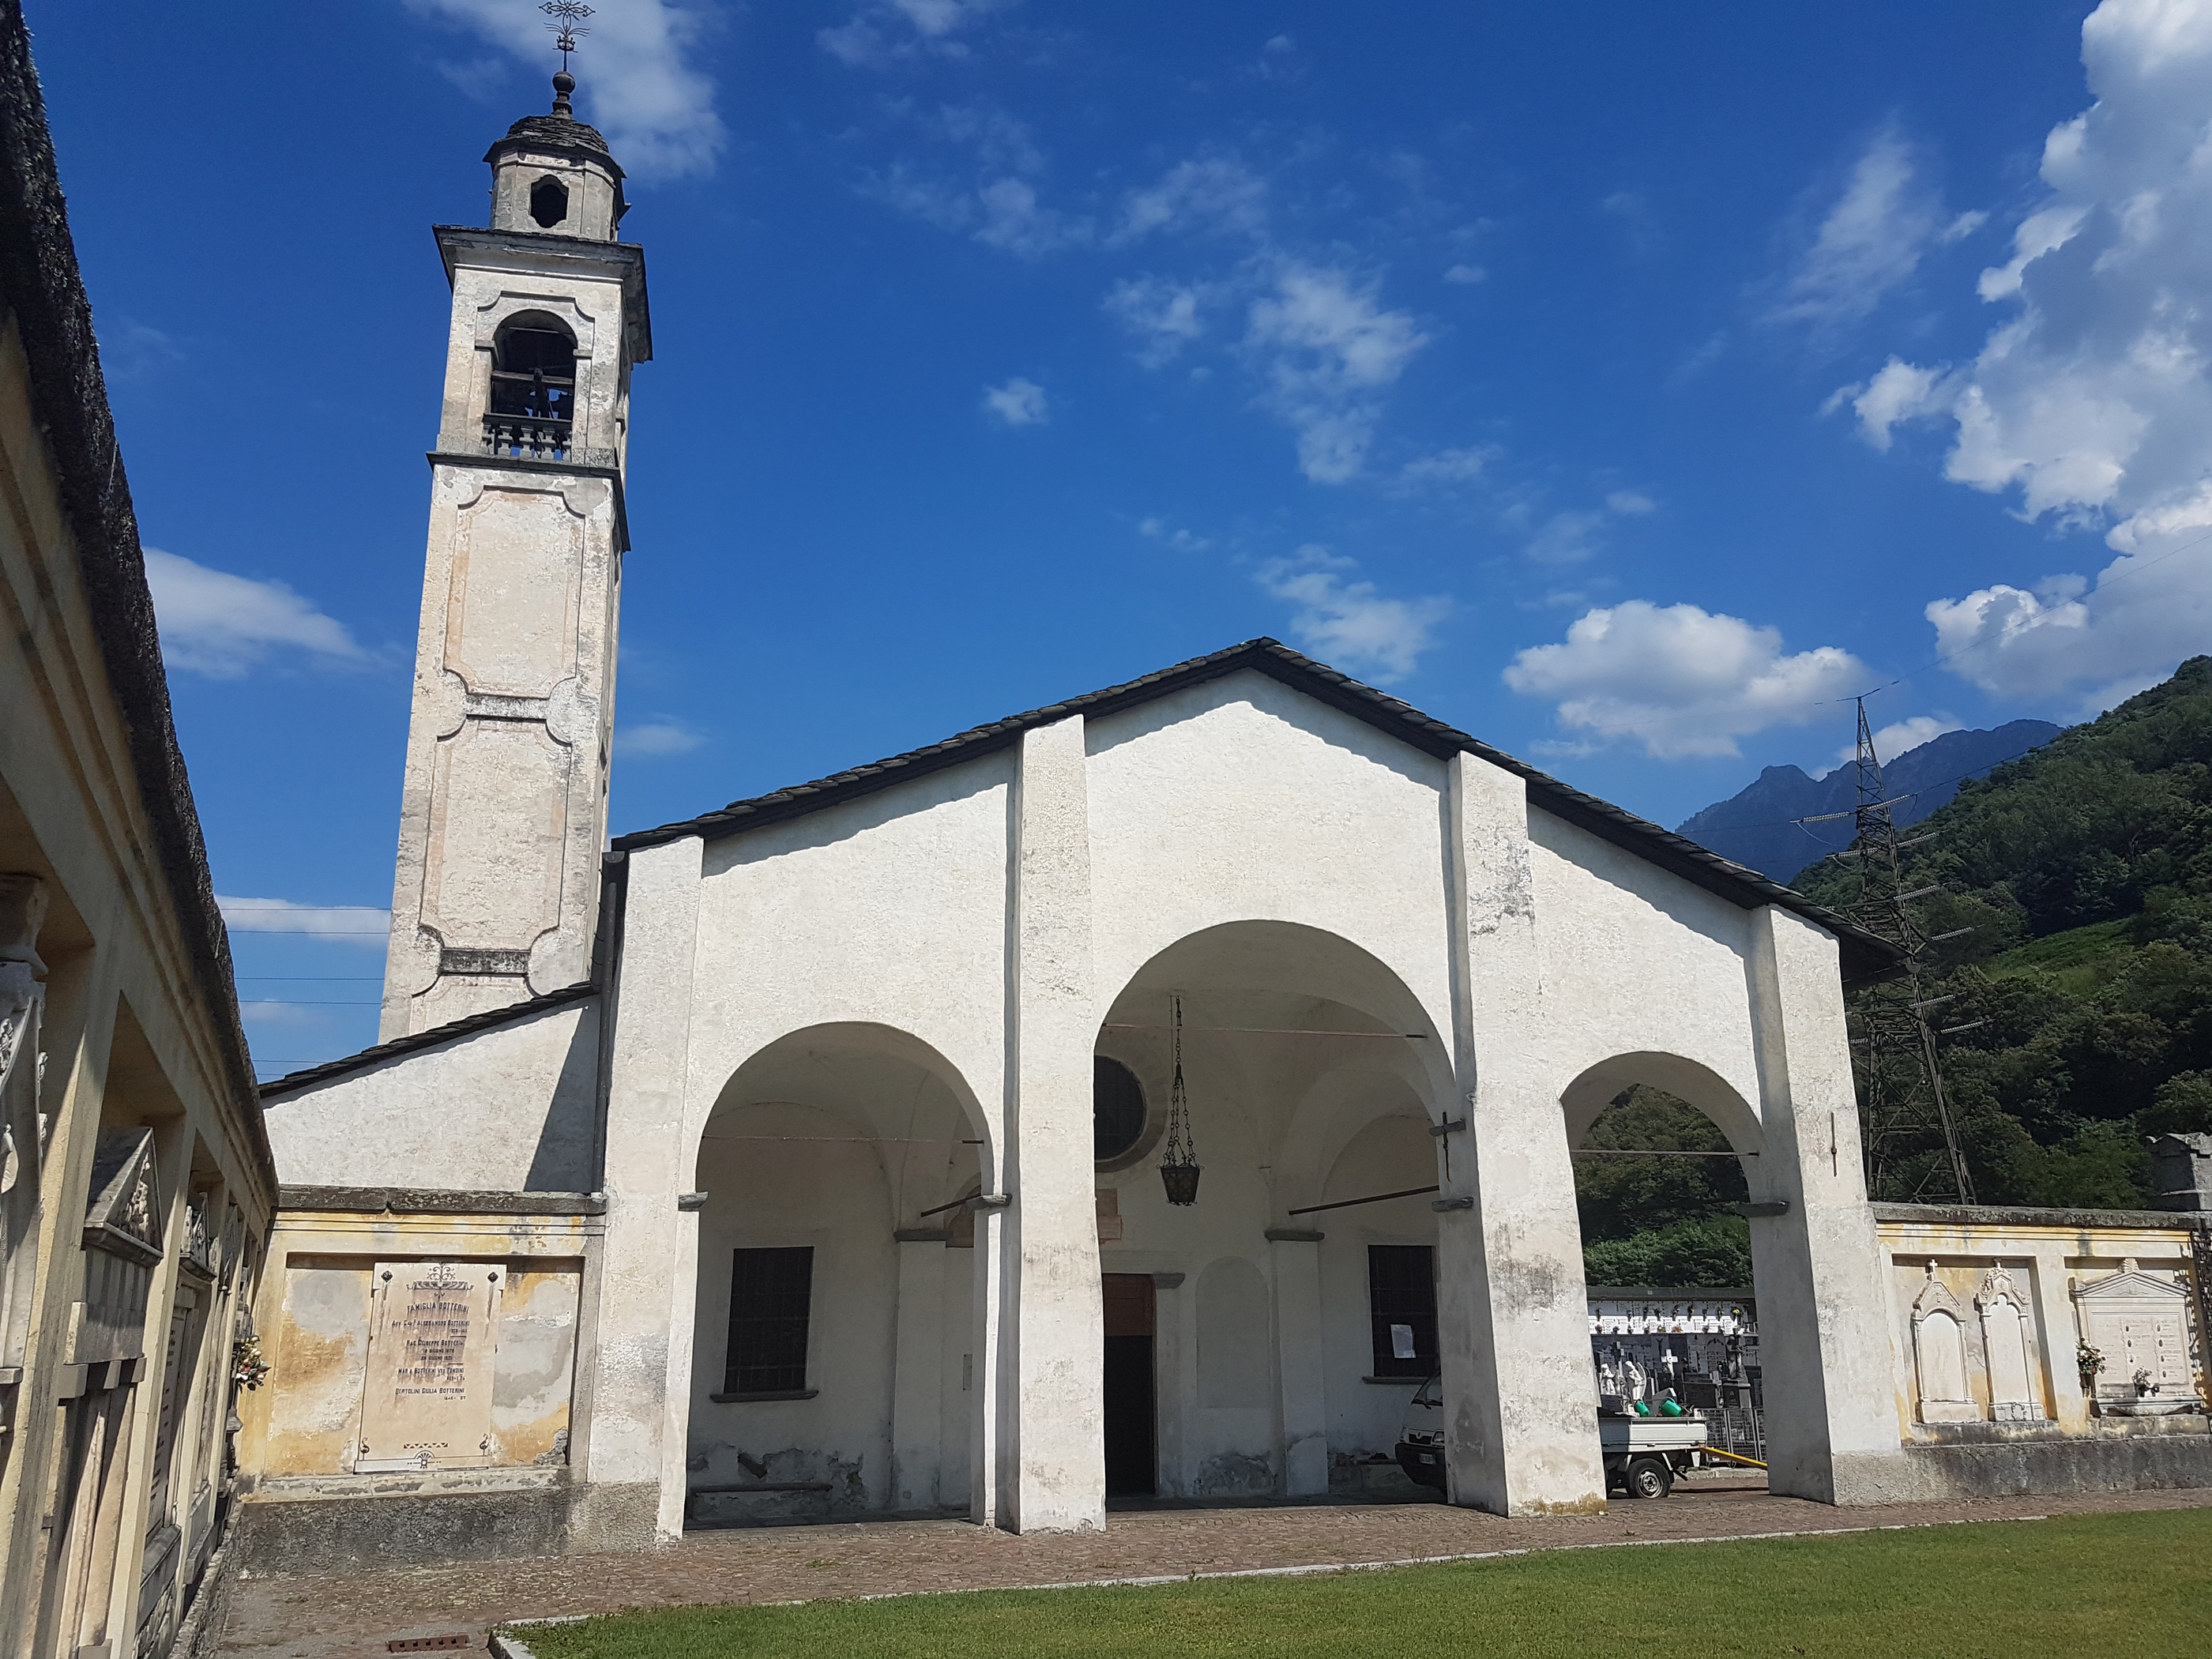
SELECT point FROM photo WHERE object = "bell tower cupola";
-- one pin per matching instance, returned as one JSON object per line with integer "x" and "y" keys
{"x": 552, "y": 172}
{"x": 503, "y": 811}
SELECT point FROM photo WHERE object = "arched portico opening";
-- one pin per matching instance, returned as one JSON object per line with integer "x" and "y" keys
{"x": 1235, "y": 1345}
{"x": 836, "y": 1332}
{"x": 1667, "y": 1160}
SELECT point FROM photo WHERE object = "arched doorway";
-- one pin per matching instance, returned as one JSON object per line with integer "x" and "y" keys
{"x": 836, "y": 1347}
{"x": 1667, "y": 1160}
{"x": 1225, "y": 1328}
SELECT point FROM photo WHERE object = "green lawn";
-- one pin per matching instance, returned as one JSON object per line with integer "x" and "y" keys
{"x": 2136, "y": 1586}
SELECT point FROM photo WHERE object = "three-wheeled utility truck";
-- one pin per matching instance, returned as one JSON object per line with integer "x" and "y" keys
{"x": 1643, "y": 1453}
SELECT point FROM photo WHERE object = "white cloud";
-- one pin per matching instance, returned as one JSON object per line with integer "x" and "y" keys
{"x": 636, "y": 74}
{"x": 135, "y": 351}
{"x": 884, "y": 36}
{"x": 1163, "y": 316}
{"x": 1326, "y": 347}
{"x": 1014, "y": 220}
{"x": 1897, "y": 392}
{"x": 1870, "y": 241}
{"x": 1679, "y": 680}
{"x": 1900, "y": 737}
{"x": 1182, "y": 541}
{"x": 1002, "y": 209}
{"x": 1279, "y": 60}
{"x": 657, "y": 734}
{"x": 2145, "y": 614}
{"x": 1466, "y": 275}
{"x": 266, "y": 1011}
{"x": 2092, "y": 399}
{"x": 1208, "y": 194}
{"x": 1447, "y": 468}
{"x": 1349, "y": 624}
{"x": 356, "y": 924}
{"x": 1635, "y": 217}
{"x": 1566, "y": 537}
{"x": 1578, "y": 534}
{"x": 221, "y": 626}
{"x": 1018, "y": 403}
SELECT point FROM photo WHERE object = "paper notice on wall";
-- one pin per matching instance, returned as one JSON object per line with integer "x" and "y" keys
{"x": 426, "y": 1399}
{"x": 1401, "y": 1342}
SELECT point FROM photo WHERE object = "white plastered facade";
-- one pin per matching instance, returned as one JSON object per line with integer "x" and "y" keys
{"x": 1396, "y": 970}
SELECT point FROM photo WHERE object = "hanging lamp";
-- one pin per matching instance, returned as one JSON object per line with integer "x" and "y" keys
{"x": 1179, "y": 1163}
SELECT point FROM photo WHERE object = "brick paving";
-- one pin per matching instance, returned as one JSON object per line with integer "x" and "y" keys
{"x": 340, "y": 1615}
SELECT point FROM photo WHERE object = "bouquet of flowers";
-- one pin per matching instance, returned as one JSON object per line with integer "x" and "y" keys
{"x": 2088, "y": 1361}
{"x": 248, "y": 1367}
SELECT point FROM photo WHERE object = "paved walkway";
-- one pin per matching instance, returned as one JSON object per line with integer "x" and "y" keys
{"x": 327, "y": 1616}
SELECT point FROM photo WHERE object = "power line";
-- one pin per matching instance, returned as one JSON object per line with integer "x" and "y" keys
{"x": 1885, "y": 909}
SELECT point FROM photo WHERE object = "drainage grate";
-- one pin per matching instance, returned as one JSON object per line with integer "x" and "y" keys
{"x": 427, "y": 1644}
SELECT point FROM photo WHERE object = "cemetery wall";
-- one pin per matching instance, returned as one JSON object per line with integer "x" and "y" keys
{"x": 2046, "y": 1350}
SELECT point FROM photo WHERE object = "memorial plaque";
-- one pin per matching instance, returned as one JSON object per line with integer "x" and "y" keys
{"x": 2141, "y": 1324}
{"x": 426, "y": 1401}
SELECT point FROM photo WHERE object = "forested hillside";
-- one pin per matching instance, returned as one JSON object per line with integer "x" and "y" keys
{"x": 2085, "y": 873}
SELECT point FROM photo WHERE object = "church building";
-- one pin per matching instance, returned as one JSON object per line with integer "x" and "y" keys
{"x": 1143, "y": 1094}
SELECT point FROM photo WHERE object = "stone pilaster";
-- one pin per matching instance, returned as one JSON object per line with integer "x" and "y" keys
{"x": 648, "y": 1287}
{"x": 1513, "y": 1322}
{"x": 918, "y": 1370}
{"x": 1823, "y": 1324}
{"x": 1052, "y": 1445}
{"x": 1302, "y": 1399}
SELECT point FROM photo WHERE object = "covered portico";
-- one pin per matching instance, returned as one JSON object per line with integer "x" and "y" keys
{"x": 1401, "y": 960}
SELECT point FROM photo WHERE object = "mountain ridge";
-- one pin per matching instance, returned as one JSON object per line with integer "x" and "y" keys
{"x": 1757, "y": 825}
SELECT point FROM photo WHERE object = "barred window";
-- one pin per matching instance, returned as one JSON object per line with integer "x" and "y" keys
{"x": 1401, "y": 1302}
{"x": 771, "y": 1294}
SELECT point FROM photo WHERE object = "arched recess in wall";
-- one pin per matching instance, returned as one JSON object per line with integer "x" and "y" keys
{"x": 826, "y": 1164}
{"x": 1272, "y": 1011}
{"x": 887, "y": 1086}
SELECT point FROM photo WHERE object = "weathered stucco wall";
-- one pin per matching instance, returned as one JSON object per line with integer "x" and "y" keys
{"x": 1243, "y": 801}
{"x": 887, "y": 910}
{"x": 509, "y": 1109}
{"x": 313, "y": 1317}
{"x": 1281, "y": 866}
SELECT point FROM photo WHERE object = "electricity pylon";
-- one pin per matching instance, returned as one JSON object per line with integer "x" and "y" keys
{"x": 1897, "y": 1032}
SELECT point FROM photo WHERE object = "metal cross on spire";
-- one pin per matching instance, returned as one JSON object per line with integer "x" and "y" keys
{"x": 566, "y": 15}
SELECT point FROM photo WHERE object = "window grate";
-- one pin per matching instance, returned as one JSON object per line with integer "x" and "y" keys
{"x": 771, "y": 1297}
{"x": 1402, "y": 1302}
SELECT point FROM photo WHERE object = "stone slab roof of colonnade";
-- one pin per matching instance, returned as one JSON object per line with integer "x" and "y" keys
{"x": 1866, "y": 958}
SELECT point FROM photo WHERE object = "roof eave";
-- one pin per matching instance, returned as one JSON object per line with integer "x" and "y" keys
{"x": 1866, "y": 959}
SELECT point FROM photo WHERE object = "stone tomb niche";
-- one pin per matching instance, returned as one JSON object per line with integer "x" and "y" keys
{"x": 2008, "y": 1350}
{"x": 2140, "y": 1323}
{"x": 427, "y": 1395}
{"x": 1939, "y": 1354}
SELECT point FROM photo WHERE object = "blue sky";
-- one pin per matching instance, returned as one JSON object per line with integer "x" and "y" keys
{"x": 1623, "y": 385}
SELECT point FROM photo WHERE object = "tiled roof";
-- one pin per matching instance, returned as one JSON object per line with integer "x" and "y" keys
{"x": 1866, "y": 958}
{"x": 415, "y": 1041}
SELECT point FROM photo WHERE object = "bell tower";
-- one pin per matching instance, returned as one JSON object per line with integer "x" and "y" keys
{"x": 503, "y": 815}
